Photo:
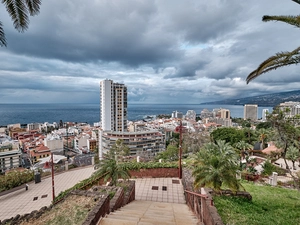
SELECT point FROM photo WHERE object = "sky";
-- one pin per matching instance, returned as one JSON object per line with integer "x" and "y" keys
{"x": 164, "y": 51}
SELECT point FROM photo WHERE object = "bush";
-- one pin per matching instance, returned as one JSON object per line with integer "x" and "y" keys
{"x": 15, "y": 179}
{"x": 269, "y": 168}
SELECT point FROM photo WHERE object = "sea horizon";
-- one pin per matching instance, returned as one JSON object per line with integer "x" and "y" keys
{"x": 25, "y": 113}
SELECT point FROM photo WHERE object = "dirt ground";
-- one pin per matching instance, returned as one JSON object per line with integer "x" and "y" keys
{"x": 73, "y": 210}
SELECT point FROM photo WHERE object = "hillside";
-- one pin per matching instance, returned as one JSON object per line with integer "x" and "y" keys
{"x": 270, "y": 100}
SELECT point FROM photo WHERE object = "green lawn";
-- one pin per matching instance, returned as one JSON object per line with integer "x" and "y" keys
{"x": 270, "y": 205}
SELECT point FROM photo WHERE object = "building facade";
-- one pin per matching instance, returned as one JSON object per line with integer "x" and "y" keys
{"x": 146, "y": 143}
{"x": 264, "y": 114}
{"x": 113, "y": 102}
{"x": 250, "y": 112}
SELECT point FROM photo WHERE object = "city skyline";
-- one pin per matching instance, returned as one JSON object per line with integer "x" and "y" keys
{"x": 164, "y": 51}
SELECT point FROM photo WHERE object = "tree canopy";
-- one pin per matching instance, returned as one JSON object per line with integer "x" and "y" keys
{"x": 19, "y": 11}
{"x": 230, "y": 135}
{"x": 216, "y": 165}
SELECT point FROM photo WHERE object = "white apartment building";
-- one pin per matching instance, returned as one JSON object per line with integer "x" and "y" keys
{"x": 113, "y": 102}
{"x": 250, "y": 112}
{"x": 264, "y": 114}
{"x": 190, "y": 115}
{"x": 294, "y": 108}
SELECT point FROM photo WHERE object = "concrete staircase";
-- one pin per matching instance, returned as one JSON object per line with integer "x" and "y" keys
{"x": 151, "y": 213}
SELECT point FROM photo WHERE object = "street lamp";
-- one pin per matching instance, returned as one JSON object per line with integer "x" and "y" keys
{"x": 180, "y": 150}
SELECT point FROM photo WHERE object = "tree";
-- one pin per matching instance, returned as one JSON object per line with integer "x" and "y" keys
{"x": 119, "y": 149}
{"x": 228, "y": 134}
{"x": 263, "y": 136}
{"x": 216, "y": 165}
{"x": 19, "y": 11}
{"x": 280, "y": 59}
{"x": 293, "y": 154}
{"x": 170, "y": 154}
{"x": 109, "y": 169}
{"x": 243, "y": 147}
{"x": 265, "y": 125}
{"x": 286, "y": 134}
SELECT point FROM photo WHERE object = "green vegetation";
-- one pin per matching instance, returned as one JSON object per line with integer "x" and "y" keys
{"x": 269, "y": 206}
{"x": 280, "y": 59}
{"x": 111, "y": 170}
{"x": 19, "y": 11}
{"x": 269, "y": 168}
{"x": 15, "y": 179}
{"x": 216, "y": 166}
{"x": 170, "y": 154}
{"x": 228, "y": 134}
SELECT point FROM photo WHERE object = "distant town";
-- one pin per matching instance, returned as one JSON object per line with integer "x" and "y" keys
{"x": 30, "y": 145}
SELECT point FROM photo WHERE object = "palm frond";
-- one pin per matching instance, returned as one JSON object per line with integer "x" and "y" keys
{"x": 2, "y": 36}
{"x": 297, "y": 1}
{"x": 292, "y": 20}
{"x": 33, "y": 6}
{"x": 18, "y": 12}
{"x": 274, "y": 62}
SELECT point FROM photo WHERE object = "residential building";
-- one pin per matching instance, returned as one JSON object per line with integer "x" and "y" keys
{"x": 293, "y": 108}
{"x": 225, "y": 113}
{"x": 190, "y": 115}
{"x": 140, "y": 143}
{"x": 10, "y": 154}
{"x": 176, "y": 114}
{"x": 264, "y": 114}
{"x": 113, "y": 102}
{"x": 250, "y": 112}
{"x": 54, "y": 142}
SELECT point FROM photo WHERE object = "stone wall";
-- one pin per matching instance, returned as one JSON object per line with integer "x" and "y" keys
{"x": 154, "y": 173}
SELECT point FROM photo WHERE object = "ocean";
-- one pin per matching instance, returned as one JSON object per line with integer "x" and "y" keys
{"x": 90, "y": 113}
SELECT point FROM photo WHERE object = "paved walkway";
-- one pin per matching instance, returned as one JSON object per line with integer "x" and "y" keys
{"x": 40, "y": 194}
{"x": 168, "y": 190}
{"x": 159, "y": 190}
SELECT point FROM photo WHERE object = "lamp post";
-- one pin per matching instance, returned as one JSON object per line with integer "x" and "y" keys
{"x": 52, "y": 175}
{"x": 180, "y": 150}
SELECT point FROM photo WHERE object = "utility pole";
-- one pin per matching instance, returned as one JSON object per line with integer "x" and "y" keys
{"x": 180, "y": 150}
{"x": 52, "y": 173}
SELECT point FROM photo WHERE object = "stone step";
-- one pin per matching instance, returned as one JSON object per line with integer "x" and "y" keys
{"x": 147, "y": 213}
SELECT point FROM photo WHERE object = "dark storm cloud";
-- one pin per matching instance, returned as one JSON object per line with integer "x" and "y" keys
{"x": 164, "y": 51}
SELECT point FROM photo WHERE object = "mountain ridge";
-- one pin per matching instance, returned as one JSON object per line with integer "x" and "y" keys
{"x": 270, "y": 100}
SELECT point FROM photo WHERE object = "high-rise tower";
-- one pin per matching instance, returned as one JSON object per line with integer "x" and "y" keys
{"x": 250, "y": 112}
{"x": 113, "y": 103}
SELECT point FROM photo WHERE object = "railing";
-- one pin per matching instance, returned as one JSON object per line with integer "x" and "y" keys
{"x": 197, "y": 203}
{"x": 203, "y": 207}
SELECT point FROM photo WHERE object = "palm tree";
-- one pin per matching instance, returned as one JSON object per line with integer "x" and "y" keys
{"x": 109, "y": 169}
{"x": 19, "y": 11}
{"x": 243, "y": 147}
{"x": 216, "y": 165}
{"x": 293, "y": 154}
{"x": 263, "y": 135}
{"x": 282, "y": 58}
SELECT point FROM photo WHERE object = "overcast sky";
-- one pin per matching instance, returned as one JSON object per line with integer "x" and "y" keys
{"x": 164, "y": 51}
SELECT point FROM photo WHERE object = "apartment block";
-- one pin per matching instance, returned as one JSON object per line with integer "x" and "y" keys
{"x": 250, "y": 112}
{"x": 113, "y": 102}
{"x": 146, "y": 143}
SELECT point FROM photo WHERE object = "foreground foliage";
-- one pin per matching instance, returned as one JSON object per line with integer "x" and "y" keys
{"x": 280, "y": 59}
{"x": 216, "y": 166}
{"x": 269, "y": 205}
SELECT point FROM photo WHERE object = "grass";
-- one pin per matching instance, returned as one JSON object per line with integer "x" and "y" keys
{"x": 269, "y": 205}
